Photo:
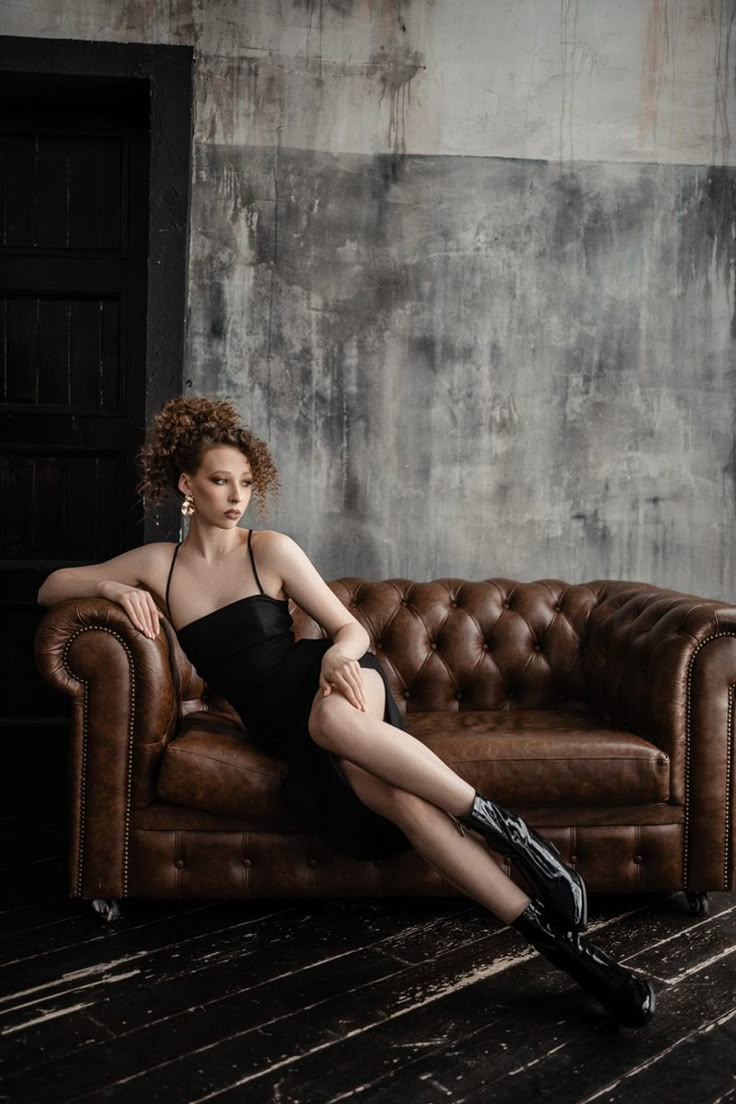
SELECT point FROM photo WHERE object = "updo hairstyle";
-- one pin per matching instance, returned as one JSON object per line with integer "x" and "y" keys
{"x": 180, "y": 434}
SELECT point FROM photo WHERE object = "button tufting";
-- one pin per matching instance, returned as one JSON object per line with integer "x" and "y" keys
{"x": 459, "y": 696}
{"x": 407, "y": 694}
{"x": 433, "y": 646}
{"x": 573, "y": 858}
{"x": 247, "y": 862}
{"x": 537, "y": 647}
{"x": 638, "y": 858}
{"x": 558, "y": 607}
{"x": 506, "y": 605}
{"x": 454, "y": 605}
{"x": 179, "y": 864}
{"x": 485, "y": 647}
{"x": 312, "y": 862}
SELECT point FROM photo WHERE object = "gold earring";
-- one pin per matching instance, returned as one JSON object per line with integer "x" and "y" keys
{"x": 187, "y": 506}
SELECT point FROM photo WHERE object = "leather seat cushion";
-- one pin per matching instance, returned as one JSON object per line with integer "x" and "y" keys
{"x": 518, "y": 758}
{"x": 213, "y": 766}
{"x": 547, "y": 757}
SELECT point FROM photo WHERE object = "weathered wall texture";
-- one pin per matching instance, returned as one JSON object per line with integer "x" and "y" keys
{"x": 469, "y": 267}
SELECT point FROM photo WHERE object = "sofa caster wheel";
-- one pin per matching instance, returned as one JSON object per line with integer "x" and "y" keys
{"x": 698, "y": 902}
{"x": 108, "y": 909}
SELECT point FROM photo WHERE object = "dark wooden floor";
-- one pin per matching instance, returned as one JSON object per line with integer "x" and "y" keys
{"x": 294, "y": 1002}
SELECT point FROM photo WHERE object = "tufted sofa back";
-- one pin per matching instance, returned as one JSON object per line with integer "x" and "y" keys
{"x": 453, "y": 644}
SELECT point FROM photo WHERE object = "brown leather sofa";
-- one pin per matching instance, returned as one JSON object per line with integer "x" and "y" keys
{"x": 602, "y": 712}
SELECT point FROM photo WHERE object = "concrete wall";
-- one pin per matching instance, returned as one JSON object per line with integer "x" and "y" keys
{"x": 469, "y": 267}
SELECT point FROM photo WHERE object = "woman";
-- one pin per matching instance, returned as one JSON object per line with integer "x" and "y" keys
{"x": 361, "y": 781}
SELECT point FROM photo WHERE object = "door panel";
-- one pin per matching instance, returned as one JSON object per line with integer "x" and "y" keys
{"x": 61, "y": 352}
{"x": 63, "y": 192}
{"x": 73, "y": 295}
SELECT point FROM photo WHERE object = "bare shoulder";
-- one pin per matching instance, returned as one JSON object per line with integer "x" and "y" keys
{"x": 278, "y": 547}
{"x": 272, "y": 539}
{"x": 282, "y": 561}
{"x": 153, "y": 561}
{"x": 156, "y": 549}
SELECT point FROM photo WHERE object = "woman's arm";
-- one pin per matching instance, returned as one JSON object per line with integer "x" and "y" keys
{"x": 352, "y": 639}
{"x": 122, "y": 579}
{"x": 303, "y": 583}
{"x": 63, "y": 584}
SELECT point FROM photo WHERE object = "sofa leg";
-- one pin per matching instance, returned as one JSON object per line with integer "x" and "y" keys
{"x": 698, "y": 902}
{"x": 108, "y": 909}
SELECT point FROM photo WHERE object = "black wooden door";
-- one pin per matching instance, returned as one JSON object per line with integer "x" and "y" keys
{"x": 74, "y": 154}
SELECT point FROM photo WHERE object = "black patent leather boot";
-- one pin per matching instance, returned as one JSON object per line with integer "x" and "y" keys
{"x": 561, "y": 889}
{"x": 628, "y": 997}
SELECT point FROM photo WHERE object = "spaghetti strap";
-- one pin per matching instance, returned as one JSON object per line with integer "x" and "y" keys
{"x": 253, "y": 562}
{"x": 168, "y": 581}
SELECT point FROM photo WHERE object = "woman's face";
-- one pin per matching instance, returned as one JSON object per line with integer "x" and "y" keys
{"x": 221, "y": 487}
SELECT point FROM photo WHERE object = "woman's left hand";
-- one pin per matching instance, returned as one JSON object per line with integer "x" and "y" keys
{"x": 340, "y": 672}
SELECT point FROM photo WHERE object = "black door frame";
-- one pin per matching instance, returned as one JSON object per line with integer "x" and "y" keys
{"x": 168, "y": 72}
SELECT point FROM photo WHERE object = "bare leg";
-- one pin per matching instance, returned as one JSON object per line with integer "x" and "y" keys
{"x": 462, "y": 860}
{"x": 385, "y": 751}
{"x": 402, "y": 779}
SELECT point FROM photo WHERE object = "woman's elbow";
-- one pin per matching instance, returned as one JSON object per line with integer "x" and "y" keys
{"x": 41, "y": 598}
{"x": 366, "y": 635}
{"x": 45, "y": 595}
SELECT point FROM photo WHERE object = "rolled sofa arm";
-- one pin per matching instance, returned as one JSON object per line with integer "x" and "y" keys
{"x": 126, "y": 693}
{"x": 663, "y": 664}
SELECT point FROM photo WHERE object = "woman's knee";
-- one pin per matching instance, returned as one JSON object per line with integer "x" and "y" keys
{"x": 320, "y": 728}
{"x": 329, "y": 721}
{"x": 331, "y": 717}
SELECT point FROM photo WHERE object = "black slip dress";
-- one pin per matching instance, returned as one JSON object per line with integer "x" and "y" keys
{"x": 246, "y": 651}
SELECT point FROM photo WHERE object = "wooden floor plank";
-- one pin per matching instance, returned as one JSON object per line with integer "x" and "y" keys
{"x": 229, "y": 1021}
{"x": 277, "y": 950}
{"x": 369, "y": 1001}
{"x": 526, "y": 1060}
{"x": 83, "y": 926}
{"x": 504, "y": 997}
{"x": 22, "y": 917}
{"x": 89, "y": 938}
{"x": 696, "y": 1058}
{"x": 38, "y": 915}
{"x": 214, "y": 953}
{"x": 348, "y": 1012}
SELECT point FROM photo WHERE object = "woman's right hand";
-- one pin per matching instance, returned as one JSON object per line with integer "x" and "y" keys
{"x": 137, "y": 603}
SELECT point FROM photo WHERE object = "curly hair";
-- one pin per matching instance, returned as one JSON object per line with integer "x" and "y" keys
{"x": 180, "y": 434}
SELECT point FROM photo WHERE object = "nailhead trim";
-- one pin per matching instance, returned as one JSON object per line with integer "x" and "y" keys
{"x": 729, "y": 784}
{"x": 131, "y": 730}
{"x": 729, "y": 771}
{"x": 83, "y": 793}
